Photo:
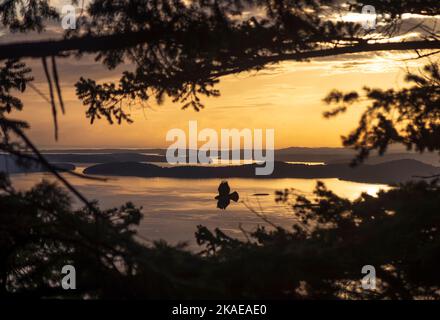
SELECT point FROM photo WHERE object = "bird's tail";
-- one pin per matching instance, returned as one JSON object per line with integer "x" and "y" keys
{"x": 234, "y": 196}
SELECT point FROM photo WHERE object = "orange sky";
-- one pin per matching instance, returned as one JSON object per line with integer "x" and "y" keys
{"x": 287, "y": 98}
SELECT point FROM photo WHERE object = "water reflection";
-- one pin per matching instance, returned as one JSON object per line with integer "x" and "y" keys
{"x": 174, "y": 207}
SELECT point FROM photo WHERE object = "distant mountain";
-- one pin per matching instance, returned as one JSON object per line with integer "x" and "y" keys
{"x": 10, "y": 165}
{"x": 292, "y": 154}
{"x": 344, "y": 155}
{"x": 103, "y": 158}
{"x": 104, "y": 151}
{"x": 389, "y": 172}
{"x": 312, "y": 151}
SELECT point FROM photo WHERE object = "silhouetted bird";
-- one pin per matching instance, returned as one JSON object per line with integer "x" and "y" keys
{"x": 224, "y": 197}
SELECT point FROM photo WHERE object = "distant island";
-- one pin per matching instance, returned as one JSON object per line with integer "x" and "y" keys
{"x": 11, "y": 165}
{"x": 395, "y": 167}
{"x": 292, "y": 154}
{"x": 389, "y": 172}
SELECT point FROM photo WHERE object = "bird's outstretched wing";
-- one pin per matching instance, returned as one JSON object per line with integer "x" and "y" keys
{"x": 224, "y": 189}
{"x": 234, "y": 196}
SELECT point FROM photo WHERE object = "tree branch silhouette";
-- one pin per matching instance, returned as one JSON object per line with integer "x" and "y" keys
{"x": 94, "y": 44}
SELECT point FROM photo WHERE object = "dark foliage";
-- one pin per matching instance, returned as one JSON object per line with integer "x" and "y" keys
{"x": 14, "y": 78}
{"x": 410, "y": 116}
{"x": 181, "y": 51}
{"x": 189, "y": 47}
{"x": 22, "y": 16}
{"x": 40, "y": 232}
{"x": 320, "y": 257}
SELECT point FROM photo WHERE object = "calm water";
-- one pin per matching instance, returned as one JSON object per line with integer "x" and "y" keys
{"x": 174, "y": 207}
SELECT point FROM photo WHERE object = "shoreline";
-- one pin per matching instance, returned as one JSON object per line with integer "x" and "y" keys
{"x": 385, "y": 173}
